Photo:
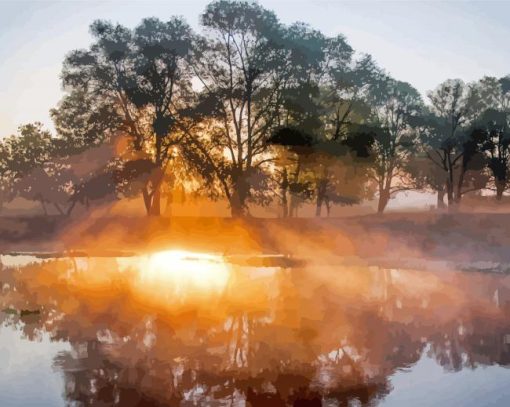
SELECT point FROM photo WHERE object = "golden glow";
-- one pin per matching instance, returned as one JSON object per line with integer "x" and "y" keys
{"x": 182, "y": 272}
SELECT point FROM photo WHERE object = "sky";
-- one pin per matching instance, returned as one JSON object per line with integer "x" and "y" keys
{"x": 422, "y": 43}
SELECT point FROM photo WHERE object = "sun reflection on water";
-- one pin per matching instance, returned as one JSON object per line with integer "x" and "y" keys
{"x": 184, "y": 272}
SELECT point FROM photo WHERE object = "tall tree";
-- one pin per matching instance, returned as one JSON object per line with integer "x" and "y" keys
{"x": 144, "y": 75}
{"x": 492, "y": 124}
{"x": 395, "y": 105}
{"x": 454, "y": 106}
{"x": 492, "y": 134}
{"x": 310, "y": 54}
{"x": 326, "y": 95}
{"x": 242, "y": 68}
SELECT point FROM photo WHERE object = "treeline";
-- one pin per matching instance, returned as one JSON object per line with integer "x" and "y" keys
{"x": 252, "y": 111}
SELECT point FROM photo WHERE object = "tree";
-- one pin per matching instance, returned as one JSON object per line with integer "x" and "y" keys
{"x": 144, "y": 77}
{"x": 454, "y": 106}
{"x": 427, "y": 175}
{"x": 493, "y": 138}
{"x": 493, "y": 123}
{"x": 297, "y": 147}
{"x": 396, "y": 104}
{"x": 300, "y": 115}
{"x": 337, "y": 174}
{"x": 349, "y": 94}
{"x": 494, "y": 93}
{"x": 82, "y": 122}
{"x": 326, "y": 94}
{"x": 242, "y": 69}
{"x": 22, "y": 157}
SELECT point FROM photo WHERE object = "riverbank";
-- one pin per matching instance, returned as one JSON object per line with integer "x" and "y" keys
{"x": 460, "y": 237}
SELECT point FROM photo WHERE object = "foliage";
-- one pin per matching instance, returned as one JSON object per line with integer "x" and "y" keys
{"x": 251, "y": 110}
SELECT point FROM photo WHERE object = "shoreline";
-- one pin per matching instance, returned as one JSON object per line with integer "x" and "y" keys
{"x": 459, "y": 237}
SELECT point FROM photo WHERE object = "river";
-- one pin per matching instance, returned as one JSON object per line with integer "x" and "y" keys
{"x": 181, "y": 328}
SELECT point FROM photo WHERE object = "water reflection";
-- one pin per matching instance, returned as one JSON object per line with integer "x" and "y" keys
{"x": 304, "y": 336}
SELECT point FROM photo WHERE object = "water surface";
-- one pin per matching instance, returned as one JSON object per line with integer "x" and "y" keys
{"x": 179, "y": 328}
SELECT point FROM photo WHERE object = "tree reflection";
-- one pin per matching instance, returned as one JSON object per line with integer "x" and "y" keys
{"x": 309, "y": 340}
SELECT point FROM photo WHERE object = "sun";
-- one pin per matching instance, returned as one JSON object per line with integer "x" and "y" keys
{"x": 183, "y": 273}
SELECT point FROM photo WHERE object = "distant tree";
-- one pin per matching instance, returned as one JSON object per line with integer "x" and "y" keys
{"x": 326, "y": 94}
{"x": 493, "y": 121}
{"x": 22, "y": 158}
{"x": 396, "y": 104}
{"x": 47, "y": 184}
{"x": 494, "y": 93}
{"x": 302, "y": 109}
{"x": 454, "y": 107}
{"x": 339, "y": 173}
{"x": 492, "y": 134}
{"x": 97, "y": 187}
{"x": 297, "y": 148}
{"x": 349, "y": 94}
{"x": 334, "y": 171}
{"x": 427, "y": 175}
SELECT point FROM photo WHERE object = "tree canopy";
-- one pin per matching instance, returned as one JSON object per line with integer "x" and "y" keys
{"x": 253, "y": 112}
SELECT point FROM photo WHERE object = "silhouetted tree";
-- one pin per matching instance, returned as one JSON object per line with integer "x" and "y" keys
{"x": 144, "y": 75}
{"x": 493, "y": 140}
{"x": 242, "y": 68}
{"x": 82, "y": 122}
{"x": 395, "y": 105}
{"x": 298, "y": 146}
{"x": 454, "y": 106}
{"x": 493, "y": 120}
{"x": 22, "y": 158}
{"x": 427, "y": 175}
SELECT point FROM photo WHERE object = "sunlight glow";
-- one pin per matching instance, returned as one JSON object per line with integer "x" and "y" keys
{"x": 183, "y": 272}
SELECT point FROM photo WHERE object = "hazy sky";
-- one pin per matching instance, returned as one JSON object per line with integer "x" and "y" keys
{"x": 423, "y": 43}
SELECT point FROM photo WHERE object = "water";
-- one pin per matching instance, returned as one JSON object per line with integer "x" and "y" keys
{"x": 136, "y": 331}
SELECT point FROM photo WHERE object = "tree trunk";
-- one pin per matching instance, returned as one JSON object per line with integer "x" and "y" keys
{"x": 239, "y": 195}
{"x": 293, "y": 205}
{"x": 237, "y": 204}
{"x": 44, "y": 207}
{"x": 155, "y": 208}
{"x": 146, "y": 200}
{"x": 294, "y": 199}
{"x": 318, "y": 208}
{"x": 321, "y": 195}
{"x": 152, "y": 197}
{"x": 384, "y": 197}
{"x": 500, "y": 188}
{"x": 458, "y": 192}
{"x": 236, "y": 209}
{"x": 71, "y": 207}
{"x": 58, "y": 208}
{"x": 284, "y": 188}
{"x": 449, "y": 193}
{"x": 285, "y": 205}
{"x": 440, "y": 198}
{"x": 449, "y": 180}
{"x": 328, "y": 207}
{"x": 169, "y": 202}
